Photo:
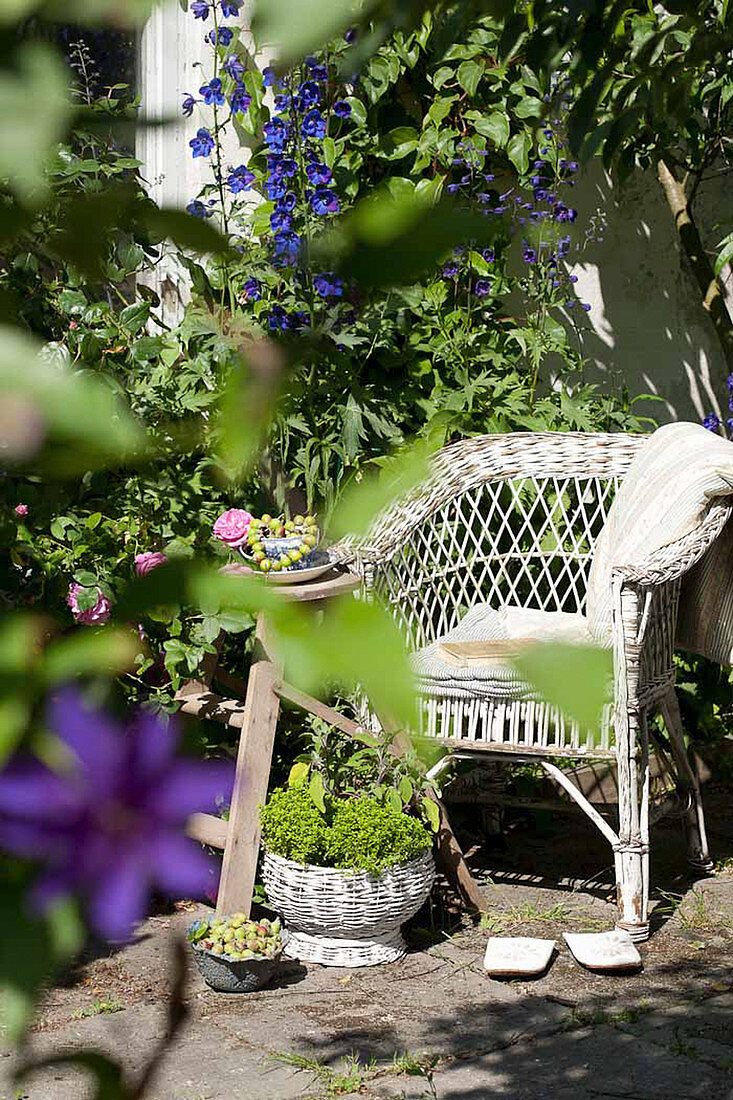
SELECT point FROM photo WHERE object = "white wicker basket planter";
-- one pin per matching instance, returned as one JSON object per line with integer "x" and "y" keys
{"x": 346, "y": 918}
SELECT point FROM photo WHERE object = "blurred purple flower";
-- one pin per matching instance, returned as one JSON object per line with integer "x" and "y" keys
{"x": 350, "y": 34}
{"x": 711, "y": 422}
{"x": 112, "y": 826}
{"x": 269, "y": 76}
{"x": 220, "y": 36}
{"x": 309, "y": 95}
{"x": 233, "y": 66}
{"x": 329, "y": 285}
{"x": 280, "y": 219}
{"x": 450, "y": 271}
{"x": 230, "y": 7}
{"x": 482, "y": 288}
{"x": 277, "y": 319}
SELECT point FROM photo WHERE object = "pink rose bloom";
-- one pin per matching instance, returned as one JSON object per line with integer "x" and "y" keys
{"x": 151, "y": 559}
{"x": 99, "y": 613}
{"x": 21, "y": 509}
{"x": 232, "y": 527}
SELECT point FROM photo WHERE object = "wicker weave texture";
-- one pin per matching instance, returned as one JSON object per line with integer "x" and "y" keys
{"x": 345, "y": 918}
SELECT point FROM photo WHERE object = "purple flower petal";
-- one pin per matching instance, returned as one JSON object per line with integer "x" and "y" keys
{"x": 28, "y": 790}
{"x": 180, "y": 866}
{"x": 154, "y": 743}
{"x": 119, "y": 897}
{"x": 191, "y": 786}
{"x": 94, "y": 738}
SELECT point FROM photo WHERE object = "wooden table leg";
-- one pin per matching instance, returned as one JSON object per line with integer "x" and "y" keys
{"x": 256, "y": 742}
{"x": 450, "y": 856}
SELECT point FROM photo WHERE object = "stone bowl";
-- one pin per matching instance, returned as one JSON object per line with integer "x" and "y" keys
{"x": 227, "y": 975}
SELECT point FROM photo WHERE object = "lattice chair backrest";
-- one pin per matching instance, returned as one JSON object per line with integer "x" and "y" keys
{"x": 503, "y": 519}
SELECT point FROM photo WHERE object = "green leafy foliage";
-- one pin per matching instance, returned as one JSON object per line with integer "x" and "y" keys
{"x": 293, "y": 827}
{"x": 574, "y": 678}
{"x": 334, "y": 765}
{"x": 368, "y": 836}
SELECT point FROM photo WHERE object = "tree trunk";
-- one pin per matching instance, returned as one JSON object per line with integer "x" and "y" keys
{"x": 710, "y": 290}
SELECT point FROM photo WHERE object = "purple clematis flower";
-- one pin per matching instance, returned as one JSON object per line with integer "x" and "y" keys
{"x": 111, "y": 826}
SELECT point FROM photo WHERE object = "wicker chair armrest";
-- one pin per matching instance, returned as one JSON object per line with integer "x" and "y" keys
{"x": 673, "y": 561}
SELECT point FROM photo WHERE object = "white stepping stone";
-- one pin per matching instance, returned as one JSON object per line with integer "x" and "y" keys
{"x": 517, "y": 956}
{"x": 604, "y": 950}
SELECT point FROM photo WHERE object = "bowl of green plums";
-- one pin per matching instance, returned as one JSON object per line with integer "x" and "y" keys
{"x": 234, "y": 954}
{"x": 285, "y": 551}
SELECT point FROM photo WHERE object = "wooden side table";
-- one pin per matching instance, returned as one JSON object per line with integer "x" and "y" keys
{"x": 257, "y": 719}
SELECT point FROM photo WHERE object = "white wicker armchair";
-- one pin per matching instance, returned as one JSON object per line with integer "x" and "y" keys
{"x": 513, "y": 520}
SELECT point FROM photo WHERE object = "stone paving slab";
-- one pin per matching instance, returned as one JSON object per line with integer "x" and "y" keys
{"x": 602, "y": 1062}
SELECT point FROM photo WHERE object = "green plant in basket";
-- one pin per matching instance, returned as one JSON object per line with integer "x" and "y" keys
{"x": 237, "y": 938}
{"x": 356, "y": 834}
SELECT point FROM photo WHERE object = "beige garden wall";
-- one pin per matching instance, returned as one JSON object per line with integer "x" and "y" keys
{"x": 646, "y": 325}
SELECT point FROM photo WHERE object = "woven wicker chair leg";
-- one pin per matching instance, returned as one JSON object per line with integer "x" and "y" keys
{"x": 698, "y": 854}
{"x": 632, "y": 850}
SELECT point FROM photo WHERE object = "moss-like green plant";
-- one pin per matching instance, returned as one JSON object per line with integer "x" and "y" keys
{"x": 367, "y": 836}
{"x": 293, "y": 828}
{"x": 358, "y": 834}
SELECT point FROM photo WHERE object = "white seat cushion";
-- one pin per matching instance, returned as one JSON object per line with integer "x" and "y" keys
{"x": 484, "y": 623}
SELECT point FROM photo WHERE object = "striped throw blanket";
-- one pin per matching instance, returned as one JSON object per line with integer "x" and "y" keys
{"x": 663, "y": 497}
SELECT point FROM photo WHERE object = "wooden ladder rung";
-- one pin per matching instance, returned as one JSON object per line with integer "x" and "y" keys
{"x": 230, "y": 712}
{"x": 208, "y": 829}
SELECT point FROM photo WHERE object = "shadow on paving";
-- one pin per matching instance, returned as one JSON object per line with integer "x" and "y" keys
{"x": 525, "y": 1050}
